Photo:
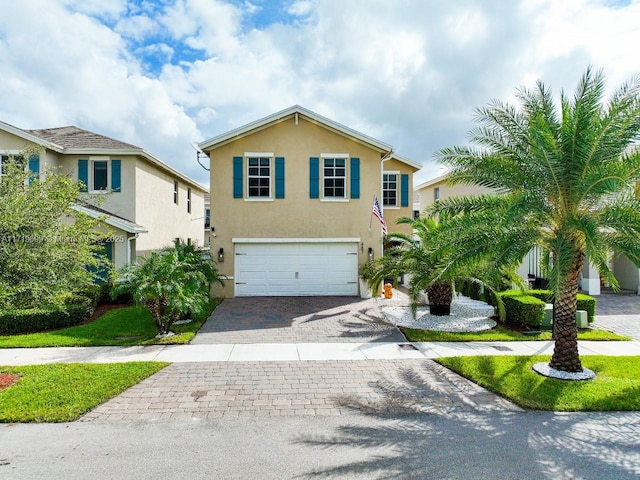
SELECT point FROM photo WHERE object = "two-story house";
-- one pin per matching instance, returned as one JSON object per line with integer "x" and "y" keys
{"x": 143, "y": 203}
{"x": 292, "y": 197}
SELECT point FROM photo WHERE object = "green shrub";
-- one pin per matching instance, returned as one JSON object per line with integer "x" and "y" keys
{"x": 585, "y": 302}
{"x": 588, "y": 303}
{"x": 31, "y": 320}
{"x": 523, "y": 310}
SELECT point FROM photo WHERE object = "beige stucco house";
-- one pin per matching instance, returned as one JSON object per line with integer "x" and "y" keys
{"x": 627, "y": 274}
{"x": 144, "y": 203}
{"x": 292, "y": 198}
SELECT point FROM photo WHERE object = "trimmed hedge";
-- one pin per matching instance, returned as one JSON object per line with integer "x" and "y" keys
{"x": 521, "y": 309}
{"x": 31, "y": 320}
{"x": 585, "y": 302}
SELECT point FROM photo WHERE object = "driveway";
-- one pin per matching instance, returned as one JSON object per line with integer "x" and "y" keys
{"x": 297, "y": 320}
{"x": 619, "y": 313}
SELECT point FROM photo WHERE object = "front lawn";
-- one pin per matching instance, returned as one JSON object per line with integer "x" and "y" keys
{"x": 64, "y": 392}
{"x": 616, "y": 387}
{"x": 121, "y": 326}
{"x": 499, "y": 333}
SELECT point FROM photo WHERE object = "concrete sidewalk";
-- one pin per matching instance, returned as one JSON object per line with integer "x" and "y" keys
{"x": 269, "y": 352}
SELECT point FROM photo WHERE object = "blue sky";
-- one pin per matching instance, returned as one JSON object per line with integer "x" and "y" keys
{"x": 162, "y": 74}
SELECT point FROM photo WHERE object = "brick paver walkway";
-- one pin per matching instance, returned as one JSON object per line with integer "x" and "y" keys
{"x": 619, "y": 313}
{"x": 215, "y": 390}
{"x": 297, "y": 320}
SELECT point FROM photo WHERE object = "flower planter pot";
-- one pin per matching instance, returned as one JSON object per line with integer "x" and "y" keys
{"x": 440, "y": 309}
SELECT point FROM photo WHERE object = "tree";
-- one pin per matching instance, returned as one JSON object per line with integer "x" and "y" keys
{"x": 565, "y": 176}
{"x": 169, "y": 283}
{"x": 426, "y": 259}
{"x": 46, "y": 247}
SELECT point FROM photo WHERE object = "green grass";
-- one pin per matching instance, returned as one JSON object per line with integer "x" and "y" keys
{"x": 122, "y": 326}
{"x": 64, "y": 392}
{"x": 500, "y": 333}
{"x": 616, "y": 387}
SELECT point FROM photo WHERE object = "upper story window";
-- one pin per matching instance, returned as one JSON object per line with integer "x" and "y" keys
{"x": 175, "y": 192}
{"x": 436, "y": 194}
{"x": 207, "y": 217}
{"x": 334, "y": 177}
{"x": 390, "y": 189}
{"x": 188, "y": 200}
{"x": 99, "y": 175}
{"x": 259, "y": 177}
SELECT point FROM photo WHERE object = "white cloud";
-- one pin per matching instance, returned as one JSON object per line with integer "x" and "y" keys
{"x": 408, "y": 72}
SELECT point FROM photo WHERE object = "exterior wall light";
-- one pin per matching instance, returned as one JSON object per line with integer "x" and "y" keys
{"x": 370, "y": 252}
{"x": 221, "y": 255}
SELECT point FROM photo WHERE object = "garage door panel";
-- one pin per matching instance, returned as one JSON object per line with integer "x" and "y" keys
{"x": 296, "y": 269}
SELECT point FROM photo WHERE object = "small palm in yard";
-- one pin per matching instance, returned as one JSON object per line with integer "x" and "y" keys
{"x": 565, "y": 178}
{"x": 169, "y": 284}
{"x": 421, "y": 256}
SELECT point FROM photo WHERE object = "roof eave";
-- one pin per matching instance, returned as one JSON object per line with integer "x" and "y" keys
{"x": 30, "y": 137}
{"x": 110, "y": 220}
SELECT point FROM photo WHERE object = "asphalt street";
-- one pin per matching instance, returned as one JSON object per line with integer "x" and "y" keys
{"x": 459, "y": 445}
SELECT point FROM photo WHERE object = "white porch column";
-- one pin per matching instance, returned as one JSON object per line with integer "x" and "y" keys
{"x": 590, "y": 282}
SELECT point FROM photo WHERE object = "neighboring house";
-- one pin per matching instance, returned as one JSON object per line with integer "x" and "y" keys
{"x": 144, "y": 203}
{"x": 625, "y": 271}
{"x": 293, "y": 196}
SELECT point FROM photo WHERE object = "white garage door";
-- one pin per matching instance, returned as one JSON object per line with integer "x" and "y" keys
{"x": 296, "y": 269}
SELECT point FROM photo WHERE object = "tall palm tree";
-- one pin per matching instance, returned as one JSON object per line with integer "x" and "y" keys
{"x": 565, "y": 177}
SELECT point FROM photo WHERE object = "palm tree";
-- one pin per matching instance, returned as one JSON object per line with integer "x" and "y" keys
{"x": 169, "y": 284}
{"x": 565, "y": 178}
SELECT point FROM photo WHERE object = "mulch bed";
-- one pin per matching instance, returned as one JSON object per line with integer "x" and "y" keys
{"x": 102, "y": 309}
{"x": 8, "y": 379}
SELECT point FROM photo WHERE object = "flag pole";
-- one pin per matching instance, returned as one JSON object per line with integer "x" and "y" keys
{"x": 371, "y": 214}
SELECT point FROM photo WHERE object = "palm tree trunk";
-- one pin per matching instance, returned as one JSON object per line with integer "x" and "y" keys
{"x": 565, "y": 351}
{"x": 440, "y": 295}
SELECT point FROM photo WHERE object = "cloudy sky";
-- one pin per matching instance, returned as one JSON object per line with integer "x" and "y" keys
{"x": 163, "y": 73}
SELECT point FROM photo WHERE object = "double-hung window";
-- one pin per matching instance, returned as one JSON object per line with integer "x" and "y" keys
{"x": 334, "y": 177}
{"x": 436, "y": 194}
{"x": 189, "y": 200}
{"x": 390, "y": 189}
{"x": 8, "y": 158}
{"x": 259, "y": 177}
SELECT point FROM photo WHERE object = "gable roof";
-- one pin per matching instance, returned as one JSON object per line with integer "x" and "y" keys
{"x": 384, "y": 148}
{"x": 72, "y": 140}
{"x": 73, "y": 137}
{"x": 433, "y": 181}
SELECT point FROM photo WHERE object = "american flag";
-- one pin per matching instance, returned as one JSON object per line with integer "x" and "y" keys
{"x": 377, "y": 211}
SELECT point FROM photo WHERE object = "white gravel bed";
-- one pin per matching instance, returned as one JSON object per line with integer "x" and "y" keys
{"x": 466, "y": 316}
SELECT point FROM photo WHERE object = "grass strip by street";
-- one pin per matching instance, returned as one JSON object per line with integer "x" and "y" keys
{"x": 616, "y": 387}
{"x": 64, "y": 392}
{"x": 120, "y": 327}
{"x": 500, "y": 334}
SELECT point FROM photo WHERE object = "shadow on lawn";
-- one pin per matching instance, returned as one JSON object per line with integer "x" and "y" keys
{"x": 414, "y": 431}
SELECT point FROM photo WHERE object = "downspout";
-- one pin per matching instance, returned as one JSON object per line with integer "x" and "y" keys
{"x": 129, "y": 247}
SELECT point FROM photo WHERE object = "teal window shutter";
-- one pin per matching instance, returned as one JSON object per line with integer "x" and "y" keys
{"x": 279, "y": 177}
{"x": 115, "y": 175}
{"x": 34, "y": 168}
{"x": 404, "y": 190}
{"x": 355, "y": 177}
{"x": 237, "y": 177}
{"x": 314, "y": 177}
{"x": 83, "y": 174}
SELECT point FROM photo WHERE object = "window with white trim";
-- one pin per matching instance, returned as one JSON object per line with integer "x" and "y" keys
{"x": 334, "y": 177}
{"x": 436, "y": 194}
{"x": 259, "y": 177}
{"x": 175, "y": 192}
{"x": 99, "y": 175}
{"x": 390, "y": 189}
{"x": 5, "y": 159}
{"x": 189, "y": 200}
